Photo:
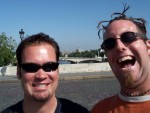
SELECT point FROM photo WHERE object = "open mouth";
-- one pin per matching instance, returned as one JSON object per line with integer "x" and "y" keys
{"x": 40, "y": 85}
{"x": 127, "y": 61}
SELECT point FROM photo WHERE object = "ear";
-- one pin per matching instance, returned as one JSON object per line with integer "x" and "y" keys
{"x": 58, "y": 71}
{"x": 18, "y": 72}
{"x": 148, "y": 46}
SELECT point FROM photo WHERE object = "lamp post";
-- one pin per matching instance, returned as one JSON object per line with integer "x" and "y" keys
{"x": 98, "y": 52}
{"x": 21, "y": 34}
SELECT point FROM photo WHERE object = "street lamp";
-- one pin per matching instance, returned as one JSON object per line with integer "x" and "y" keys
{"x": 21, "y": 34}
{"x": 98, "y": 53}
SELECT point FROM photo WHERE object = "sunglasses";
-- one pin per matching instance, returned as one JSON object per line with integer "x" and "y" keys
{"x": 127, "y": 37}
{"x": 33, "y": 67}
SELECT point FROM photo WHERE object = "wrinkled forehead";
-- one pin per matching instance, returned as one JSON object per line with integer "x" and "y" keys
{"x": 118, "y": 27}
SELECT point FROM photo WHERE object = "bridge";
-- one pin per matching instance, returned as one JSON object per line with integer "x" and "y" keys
{"x": 74, "y": 60}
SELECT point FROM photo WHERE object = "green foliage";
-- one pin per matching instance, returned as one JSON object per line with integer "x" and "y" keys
{"x": 84, "y": 54}
{"x": 7, "y": 50}
{"x": 87, "y": 54}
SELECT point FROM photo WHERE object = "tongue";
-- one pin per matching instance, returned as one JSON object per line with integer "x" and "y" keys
{"x": 126, "y": 64}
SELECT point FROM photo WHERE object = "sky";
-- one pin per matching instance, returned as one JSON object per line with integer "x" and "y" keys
{"x": 72, "y": 23}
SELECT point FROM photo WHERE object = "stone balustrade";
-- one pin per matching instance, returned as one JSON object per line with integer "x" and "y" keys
{"x": 65, "y": 68}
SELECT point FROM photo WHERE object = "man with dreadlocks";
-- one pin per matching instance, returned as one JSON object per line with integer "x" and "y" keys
{"x": 128, "y": 52}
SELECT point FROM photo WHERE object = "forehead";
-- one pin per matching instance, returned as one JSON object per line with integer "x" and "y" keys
{"x": 121, "y": 22}
{"x": 37, "y": 46}
{"x": 120, "y": 26}
{"x": 39, "y": 53}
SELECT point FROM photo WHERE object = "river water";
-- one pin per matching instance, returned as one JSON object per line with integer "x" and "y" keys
{"x": 64, "y": 62}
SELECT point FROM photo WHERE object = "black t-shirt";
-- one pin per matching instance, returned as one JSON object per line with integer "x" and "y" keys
{"x": 63, "y": 106}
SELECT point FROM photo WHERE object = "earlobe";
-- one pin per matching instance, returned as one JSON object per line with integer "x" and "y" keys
{"x": 18, "y": 72}
{"x": 148, "y": 46}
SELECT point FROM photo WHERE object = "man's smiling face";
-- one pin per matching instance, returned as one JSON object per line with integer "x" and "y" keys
{"x": 129, "y": 61}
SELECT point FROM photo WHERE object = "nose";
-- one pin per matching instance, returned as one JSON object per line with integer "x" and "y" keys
{"x": 40, "y": 74}
{"x": 120, "y": 46}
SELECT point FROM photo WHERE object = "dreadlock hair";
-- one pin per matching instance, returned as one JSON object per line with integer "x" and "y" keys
{"x": 139, "y": 22}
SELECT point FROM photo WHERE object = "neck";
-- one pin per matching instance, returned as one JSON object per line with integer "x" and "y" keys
{"x": 141, "y": 90}
{"x": 135, "y": 94}
{"x": 33, "y": 106}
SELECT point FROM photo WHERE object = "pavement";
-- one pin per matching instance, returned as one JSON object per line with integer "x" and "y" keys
{"x": 84, "y": 88}
{"x": 67, "y": 76}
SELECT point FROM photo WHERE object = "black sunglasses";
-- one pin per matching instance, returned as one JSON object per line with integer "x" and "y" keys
{"x": 33, "y": 67}
{"x": 127, "y": 37}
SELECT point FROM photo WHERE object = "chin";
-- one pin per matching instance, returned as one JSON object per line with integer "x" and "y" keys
{"x": 37, "y": 99}
{"x": 131, "y": 81}
{"x": 41, "y": 97}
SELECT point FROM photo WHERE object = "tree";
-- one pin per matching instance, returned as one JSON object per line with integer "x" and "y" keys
{"x": 7, "y": 50}
{"x": 85, "y": 54}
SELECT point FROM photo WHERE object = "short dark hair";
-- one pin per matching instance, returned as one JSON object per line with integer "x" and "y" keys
{"x": 36, "y": 39}
{"x": 139, "y": 22}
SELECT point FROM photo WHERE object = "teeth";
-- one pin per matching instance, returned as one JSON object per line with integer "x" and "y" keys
{"x": 125, "y": 58}
{"x": 40, "y": 85}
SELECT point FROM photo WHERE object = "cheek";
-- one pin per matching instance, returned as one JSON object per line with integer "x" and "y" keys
{"x": 137, "y": 46}
{"x": 140, "y": 50}
{"x": 55, "y": 76}
{"x": 26, "y": 81}
{"x": 27, "y": 78}
{"x": 110, "y": 56}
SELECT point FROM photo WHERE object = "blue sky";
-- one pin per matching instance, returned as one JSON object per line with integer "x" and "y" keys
{"x": 72, "y": 23}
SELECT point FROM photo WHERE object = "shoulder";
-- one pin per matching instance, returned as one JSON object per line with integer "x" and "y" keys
{"x": 101, "y": 105}
{"x": 16, "y": 108}
{"x": 69, "y": 106}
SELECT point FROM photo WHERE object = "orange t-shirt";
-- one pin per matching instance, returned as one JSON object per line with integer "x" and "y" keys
{"x": 116, "y": 105}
